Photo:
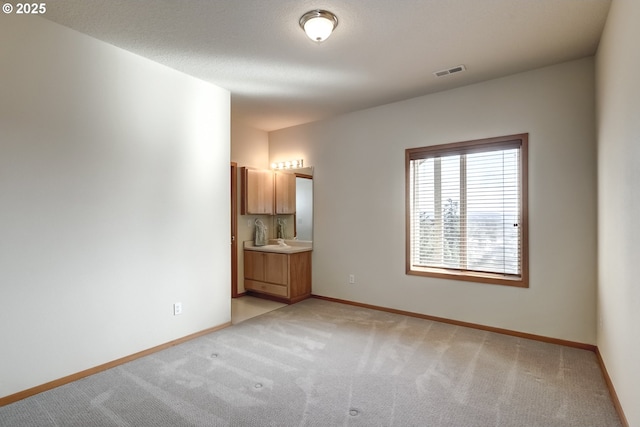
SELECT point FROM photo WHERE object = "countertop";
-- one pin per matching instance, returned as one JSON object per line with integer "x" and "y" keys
{"x": 292, "y": 246}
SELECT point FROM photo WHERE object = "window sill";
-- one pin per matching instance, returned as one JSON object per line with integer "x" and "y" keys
{"x": 470, "y": 276}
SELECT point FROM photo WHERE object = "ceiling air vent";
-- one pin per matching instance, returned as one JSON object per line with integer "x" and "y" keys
{"x": 452, "y": 70}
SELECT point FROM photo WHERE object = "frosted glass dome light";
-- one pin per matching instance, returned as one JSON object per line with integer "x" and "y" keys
{"x": 318, "y": 24}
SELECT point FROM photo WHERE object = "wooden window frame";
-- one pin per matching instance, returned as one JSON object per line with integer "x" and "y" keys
{"x": 465, "y": 147}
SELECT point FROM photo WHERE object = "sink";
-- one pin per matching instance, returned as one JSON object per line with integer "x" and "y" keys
{"x": 292, "y": 246}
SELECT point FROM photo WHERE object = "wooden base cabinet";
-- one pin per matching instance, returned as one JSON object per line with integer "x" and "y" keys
{"x": 283, "y": 277}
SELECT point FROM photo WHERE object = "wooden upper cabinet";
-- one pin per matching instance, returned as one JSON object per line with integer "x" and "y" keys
{"x": 257, "y": 191}
{"x": 285, "y": 192}
{"x": 266, "y": 192}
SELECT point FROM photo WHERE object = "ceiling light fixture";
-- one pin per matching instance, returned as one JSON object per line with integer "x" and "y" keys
{"x": 318, "y": 24}
{"x": 290, "y": 164}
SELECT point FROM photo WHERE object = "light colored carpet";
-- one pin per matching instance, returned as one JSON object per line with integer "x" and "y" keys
{"x": 318, "y": 363}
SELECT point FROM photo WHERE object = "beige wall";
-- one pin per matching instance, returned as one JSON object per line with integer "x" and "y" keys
{"x": 618, "y": 105}
{"x": 249, "y": 147}
{"x": 359, "y": 199}
{"x": 113, "y": 186}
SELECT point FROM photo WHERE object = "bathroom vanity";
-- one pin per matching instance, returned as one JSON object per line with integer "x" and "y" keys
{"x": 282, "y": 273}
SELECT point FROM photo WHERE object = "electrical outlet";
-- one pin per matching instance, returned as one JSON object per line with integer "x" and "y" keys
{"x": 352, "y": 279}
{"x": 177, "y": 308}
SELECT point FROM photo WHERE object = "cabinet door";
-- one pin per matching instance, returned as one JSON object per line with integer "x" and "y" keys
{"x": 300, "y": 274}
{"x": 257, "y": 191}
{"x": 276, "y": 268}
{"x": 254, "y": 265}
{"x": 285, "y": 193}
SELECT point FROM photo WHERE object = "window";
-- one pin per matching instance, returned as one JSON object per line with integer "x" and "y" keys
{"x": 467, "y": 211}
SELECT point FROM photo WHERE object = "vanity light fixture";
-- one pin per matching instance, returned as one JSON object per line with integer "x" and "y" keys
{"x": 289, "y": 164}
{"x": 318, "y": 24}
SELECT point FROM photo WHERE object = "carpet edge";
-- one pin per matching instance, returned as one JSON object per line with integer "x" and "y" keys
{"x": 15, "y": 397}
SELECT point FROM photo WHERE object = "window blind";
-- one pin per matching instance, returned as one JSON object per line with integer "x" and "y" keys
{"x": 465, "y": 208}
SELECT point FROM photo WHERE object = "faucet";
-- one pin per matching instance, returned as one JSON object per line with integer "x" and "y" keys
{"x": 281, "y": 242}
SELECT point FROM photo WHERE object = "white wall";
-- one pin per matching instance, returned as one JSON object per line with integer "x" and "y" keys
{"x": 114, "y": 203}
{"x": 618, "y": 105}
{"x": 359, "y": 203}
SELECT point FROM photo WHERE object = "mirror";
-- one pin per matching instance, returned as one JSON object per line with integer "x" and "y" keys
{"x": 304, "y": 205}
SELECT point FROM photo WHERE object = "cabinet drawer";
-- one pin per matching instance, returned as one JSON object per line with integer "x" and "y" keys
{"x": 267, "y": 288}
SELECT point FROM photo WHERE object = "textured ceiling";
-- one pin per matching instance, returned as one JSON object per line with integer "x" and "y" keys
{"x": 382, "y": 51}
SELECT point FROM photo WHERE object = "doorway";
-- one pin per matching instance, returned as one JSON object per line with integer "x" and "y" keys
{"x": 234, "y": 230}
